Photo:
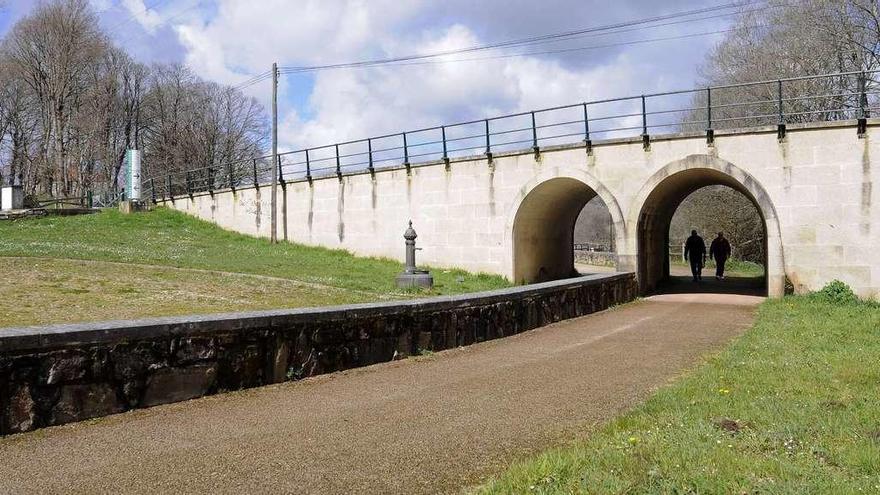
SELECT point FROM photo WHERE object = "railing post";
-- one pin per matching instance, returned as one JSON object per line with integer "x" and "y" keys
{"x": 405, "y": 154}
{"x": 863, "y": 103}
{"x": 445, "y": 154}
{"x": 338, "y": 165}
{"x": 168, "y": 189}
{"x": 152, "y": 190}
{"x": 308, "y": 167}
{"x": 210, "y": 180}
{"x": 488, "y": 143}
{"x": 280, "y": 173}
{"x": 189, "y": 190}
{"x": 780, "y": 125}
{"x": 535, "y": 137}
{"x": 230, "y": 177}
{"x": 587, "y": 141}
{"x": 256, "y": 176}
{"x": 370, "y": 156}
{"x": 710, "y": 132}
{"x": 646, "y": 139}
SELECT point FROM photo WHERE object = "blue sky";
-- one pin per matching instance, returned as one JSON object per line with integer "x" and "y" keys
{"x": 229, "y": 40}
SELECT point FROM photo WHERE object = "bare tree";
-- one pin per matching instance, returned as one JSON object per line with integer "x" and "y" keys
{"x": 788, "y": 41}
{"x": 19, "y": 128}
{"x": 196, "y": 125}
{"x": 53, "y": 50}
{"x": 721, "y": 209}
{"x": 71, "y": 104}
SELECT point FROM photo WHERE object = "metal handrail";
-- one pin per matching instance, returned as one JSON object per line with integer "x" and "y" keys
{"x": 257, "y": 170}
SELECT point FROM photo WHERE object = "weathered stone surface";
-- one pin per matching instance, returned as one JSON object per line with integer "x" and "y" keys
{"x": 178, "y": 384}
{"x": 194, "y": 349}
{"x": 65, "y": 368}
{"x": 280, "y": 364}
{"x": 79, "y": 402}
{"x": 20, "y": 412}
{"x": 132, "y": 361}
{"x": 69, "y": 383}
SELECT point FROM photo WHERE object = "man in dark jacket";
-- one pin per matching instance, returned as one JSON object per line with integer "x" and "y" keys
{"x": 695, "y": 251}
{"x": 720, "y": 250}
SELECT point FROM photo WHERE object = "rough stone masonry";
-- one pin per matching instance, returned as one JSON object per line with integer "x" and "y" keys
{"x": 59, "y": 374}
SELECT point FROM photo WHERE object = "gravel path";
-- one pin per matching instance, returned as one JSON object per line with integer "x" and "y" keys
{"x": 432, "y": 424}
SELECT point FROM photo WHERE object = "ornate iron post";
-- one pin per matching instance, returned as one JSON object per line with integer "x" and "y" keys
{"x": 412, "y": 276}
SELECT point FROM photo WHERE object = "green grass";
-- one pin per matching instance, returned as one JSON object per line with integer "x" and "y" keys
{"x": 39, "y": 291}
{"x": 733, "y": 267}
{"x": 169, "y": 238}
{"x": 167, "y": 263}
{"x": 791, "y": 407}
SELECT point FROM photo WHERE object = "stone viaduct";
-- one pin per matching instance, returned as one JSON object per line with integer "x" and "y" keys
{"x": 513, "y": 213}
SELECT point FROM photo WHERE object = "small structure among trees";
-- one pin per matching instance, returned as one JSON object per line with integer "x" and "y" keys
{"x": 72, "y": 103}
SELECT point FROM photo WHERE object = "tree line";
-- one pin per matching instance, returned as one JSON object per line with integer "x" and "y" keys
{"x": 776, "y": 40}
{"x": 72, "y": 103}
{"x": 789, "y": 39}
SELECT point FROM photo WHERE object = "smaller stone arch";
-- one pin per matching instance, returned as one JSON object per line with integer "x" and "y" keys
{"x": 540, "y": 223}
{"x": 663, "y": 192}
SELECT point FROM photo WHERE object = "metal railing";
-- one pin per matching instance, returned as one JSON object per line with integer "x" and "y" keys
{"x": 827, "y": 97}
{"x": 84, "y": 201}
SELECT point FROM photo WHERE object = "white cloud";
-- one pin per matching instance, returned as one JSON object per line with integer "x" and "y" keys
{"x": 148, "y": 19}
{"x": 244, "y": 37}
{"x": 349, "y": 104}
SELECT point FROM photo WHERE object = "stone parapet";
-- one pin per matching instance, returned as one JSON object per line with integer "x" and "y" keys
{"x": 58, "y": 374}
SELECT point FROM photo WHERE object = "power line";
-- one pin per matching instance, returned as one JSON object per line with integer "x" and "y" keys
{"x": 523, "y": 41}
{"x": 131, "y": 17}
{"x": 166, "y": 20}
{"x": 571, "y": 49}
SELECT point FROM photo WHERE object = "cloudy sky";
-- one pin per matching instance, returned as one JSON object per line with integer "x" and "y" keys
{"x": 229, "y": 41}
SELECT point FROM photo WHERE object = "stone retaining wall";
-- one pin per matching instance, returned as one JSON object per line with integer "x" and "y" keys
{"x": 63, "y": 373}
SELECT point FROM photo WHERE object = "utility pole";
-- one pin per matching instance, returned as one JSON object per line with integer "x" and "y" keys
{"x": 274, "y": 167}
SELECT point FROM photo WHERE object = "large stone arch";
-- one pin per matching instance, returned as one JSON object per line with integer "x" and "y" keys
{"x": 663, "y": 192}
{"x": 540, "y": 223}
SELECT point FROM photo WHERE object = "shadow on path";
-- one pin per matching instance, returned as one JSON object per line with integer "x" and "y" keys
{"x": 681, "y": 284}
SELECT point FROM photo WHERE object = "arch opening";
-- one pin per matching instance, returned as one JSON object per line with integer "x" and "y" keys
{"x": 661, "y": 267}
{"x": 544, "y": 230}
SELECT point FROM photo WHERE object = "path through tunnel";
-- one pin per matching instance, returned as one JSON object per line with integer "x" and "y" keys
{"x": 544, "y": 230}
{"x": 709, "y": 201}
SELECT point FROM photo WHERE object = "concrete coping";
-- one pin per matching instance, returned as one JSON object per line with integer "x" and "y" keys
{"x": 53, "y": 337}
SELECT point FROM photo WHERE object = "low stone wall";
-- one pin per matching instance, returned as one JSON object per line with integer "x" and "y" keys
{"x": 63, "y": 373}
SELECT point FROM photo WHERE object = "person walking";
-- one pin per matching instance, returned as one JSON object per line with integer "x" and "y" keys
{"x": 720, "y": 250}
{"x": 695, "y": 251}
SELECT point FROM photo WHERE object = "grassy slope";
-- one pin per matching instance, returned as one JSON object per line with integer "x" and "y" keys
{"x": 166, "y": 237}
{"x": 43, "y": 283}
{"x": 801, "y": 388}
{"x": 37, "y": 291}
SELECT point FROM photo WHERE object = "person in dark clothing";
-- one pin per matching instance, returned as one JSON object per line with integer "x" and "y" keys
{"x": 695, "y": 251}
{"x": 720, "y": 250}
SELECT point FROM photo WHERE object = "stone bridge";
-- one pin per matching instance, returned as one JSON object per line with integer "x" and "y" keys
{"x": 513, "y": 213}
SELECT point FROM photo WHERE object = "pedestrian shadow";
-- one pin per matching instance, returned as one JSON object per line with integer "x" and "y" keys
{"x": 679, "y": 284}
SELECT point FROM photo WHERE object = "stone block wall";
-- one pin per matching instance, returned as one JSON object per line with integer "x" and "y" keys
{"x": 59, "y": 374}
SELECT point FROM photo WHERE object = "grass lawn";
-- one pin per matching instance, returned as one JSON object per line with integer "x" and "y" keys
{"x": 197, "y": 268}
{"x": 790, "y": 407}
{"x": 733, "y": 268}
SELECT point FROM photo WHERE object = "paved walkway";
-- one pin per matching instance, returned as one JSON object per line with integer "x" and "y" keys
{"x": 431, "y": 424}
